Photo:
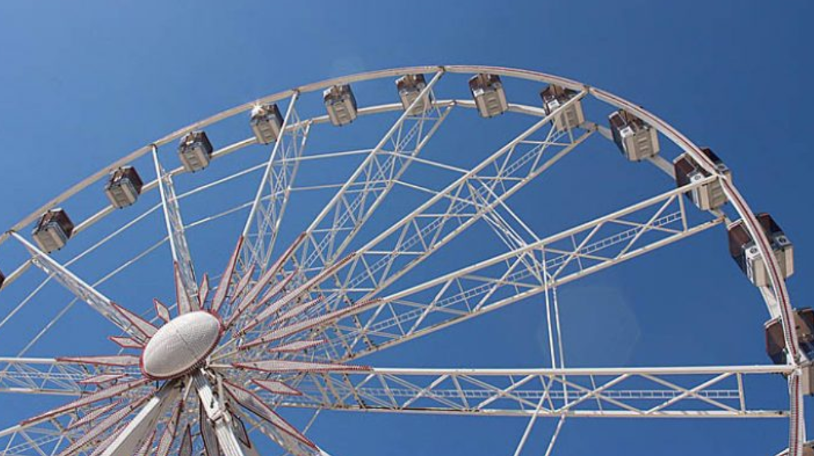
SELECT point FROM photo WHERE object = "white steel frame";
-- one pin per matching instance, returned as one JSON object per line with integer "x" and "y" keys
{"x": 528, "y": 268}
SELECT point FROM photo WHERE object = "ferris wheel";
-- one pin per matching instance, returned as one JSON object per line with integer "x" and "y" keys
{"x": 313, "y": 258}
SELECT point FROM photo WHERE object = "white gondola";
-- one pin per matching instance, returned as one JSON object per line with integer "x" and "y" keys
{"x": 267, "y": 123}
{"x": 53, "y": 230}
{"x": 488, "y": 93}
{"x": 123, "y": 187}
{"x": 636, "y": 139}
{"x": 710, "y": 195}
{"x": 410, "y": 87}
{"x": 776, "y": 344}
{"x": 744, "y": 251}
{"x": 553, "y": 98}
{"x": 341, "y": 104}
{"x": 195, "y": 151}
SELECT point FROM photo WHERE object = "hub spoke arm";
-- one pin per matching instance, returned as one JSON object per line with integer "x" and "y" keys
{"x": 81, "y": 289}
{"x": 186, "y": 282}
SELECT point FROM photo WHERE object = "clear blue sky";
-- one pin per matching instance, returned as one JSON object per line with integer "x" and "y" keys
{"x": 82, "y": 83}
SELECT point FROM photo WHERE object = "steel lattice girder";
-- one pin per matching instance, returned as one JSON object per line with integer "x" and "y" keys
{"x": 692, "y": 392}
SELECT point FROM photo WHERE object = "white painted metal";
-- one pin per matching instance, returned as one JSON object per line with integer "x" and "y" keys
{"x": 355, "y": 338}
{"x": 327, "y": 238}
{"x": 175, "y": 230}
{"x": 467, "y": 292}
{"x": 398, "y": 390}
{"x": 46, "y": 376}
{"x": 137, "y": 431}
{"x": 690, "y": 392}
{"x": 382, "y": 260}
{"x": 265, "y": 215}
{"x": 220, "y": 416}
{"x": 96, "y": 300}
{"x": 372, "y": 169}
{"x": 181, "y": 345}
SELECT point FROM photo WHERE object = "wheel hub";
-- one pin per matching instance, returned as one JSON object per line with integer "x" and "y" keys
{"x": 181, "y": 345}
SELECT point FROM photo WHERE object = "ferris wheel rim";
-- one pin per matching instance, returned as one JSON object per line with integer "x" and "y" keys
{"x": 694, "y": 151}
{"x": 660, "y": 125}
{"x": 664, "y": 128}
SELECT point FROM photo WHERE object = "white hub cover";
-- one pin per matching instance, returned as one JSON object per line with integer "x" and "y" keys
{"x": 181, "y": 345}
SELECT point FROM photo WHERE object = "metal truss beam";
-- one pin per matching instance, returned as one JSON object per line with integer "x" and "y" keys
{"x": 81, "y": 289}
{"x": 357, "y": 199}
{"x": 53, "y": 435}
{"x": 267, "y": 210}
{"x": 447, "y": 214}
{"x": 48, "y": 376}
{"x": 43, "y": 439}
{"x": 692, "y": 392}
{"x": 354, "y": 203}
{"x": 513, "y": 276}
{"x": 175, "y": 231}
